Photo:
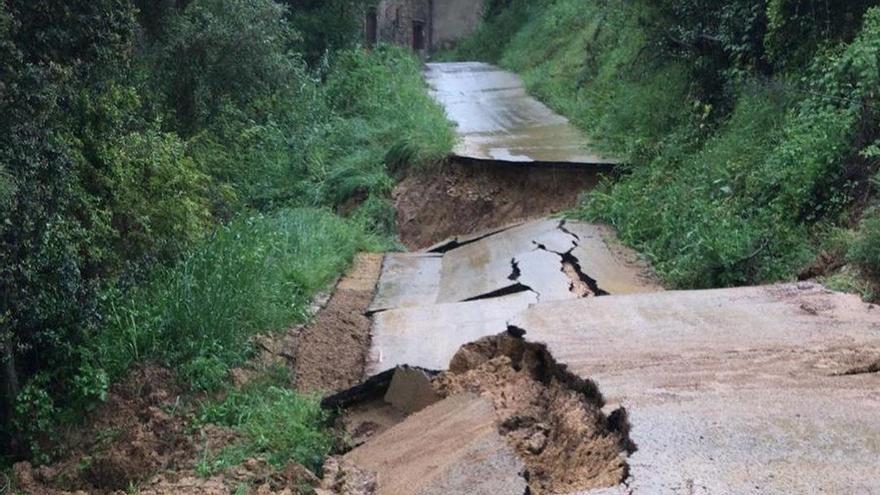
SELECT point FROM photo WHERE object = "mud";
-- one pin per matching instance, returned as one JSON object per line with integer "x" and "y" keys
{"x": 331, "y": 352}
{"x": 343, "y": 477}
{"x": 138, "y": 431}
{"x": 552, "y": 420}
{"x": 461, "y": 198}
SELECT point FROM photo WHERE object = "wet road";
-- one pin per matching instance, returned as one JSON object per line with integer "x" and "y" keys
{"x": 497, "y": 119}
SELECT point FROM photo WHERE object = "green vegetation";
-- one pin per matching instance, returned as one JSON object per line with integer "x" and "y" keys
{"x": 169, "y": 177}
{"x": 865, "y": 250}
{"x": 275, "y": 422}
{"x": 746, "y": 127}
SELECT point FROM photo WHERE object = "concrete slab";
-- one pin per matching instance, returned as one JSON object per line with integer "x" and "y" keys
{"x": 497, "y": 119}
{"x": 428, "y": 336}
{"x": 615, "y": 268}
{"x": 486, "y": 266}
{"x": 731, "y": 391}
{"x": 450, "y": 447}
{"x": 460, "y": 240}
{"x": 407, "y": 280}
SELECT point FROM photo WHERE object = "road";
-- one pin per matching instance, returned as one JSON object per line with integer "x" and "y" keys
{"x": 497, "y": 120}
{"x": 765, "y": 390}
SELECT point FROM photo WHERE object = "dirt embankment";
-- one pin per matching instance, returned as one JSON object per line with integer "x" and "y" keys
{"x": 331, "y": 352}
{"x": 459, "y": 198}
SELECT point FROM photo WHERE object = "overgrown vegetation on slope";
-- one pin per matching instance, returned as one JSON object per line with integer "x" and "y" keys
{"x": 169, "y": 173}
{"x": 748, "y": 128}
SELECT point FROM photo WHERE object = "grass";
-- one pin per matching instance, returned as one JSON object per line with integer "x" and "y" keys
{"x": 713, "y": 196}
{"x": 864, "y": 251}
{"x": 254, "y": 275}
{"x": 275, "y": 423}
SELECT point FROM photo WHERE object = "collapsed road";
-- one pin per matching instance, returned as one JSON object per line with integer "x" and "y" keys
{"x": 542, "y": 357}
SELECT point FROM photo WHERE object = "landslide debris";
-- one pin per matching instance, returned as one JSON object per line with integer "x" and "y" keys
{"x": 552, "y": 419}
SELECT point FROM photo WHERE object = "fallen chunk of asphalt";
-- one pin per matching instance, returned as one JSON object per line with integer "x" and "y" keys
{"x": 450, "y": 447}
{"x": 411, "y": 390}
{"x": 377, "y": 386}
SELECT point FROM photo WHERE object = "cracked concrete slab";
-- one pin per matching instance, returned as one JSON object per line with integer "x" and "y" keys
{"x": 452, "y": 446}
{"x": 484, "y": 267}
{"x": 497, "y": 120}
{"x": 541, "y": 271}
{"x": 407, "y": 280}
{"x": 730, "y": 391}
{"x": 428, "y": 336}
{"x": 615, "y": 268}
{"x": 462, "y": 240}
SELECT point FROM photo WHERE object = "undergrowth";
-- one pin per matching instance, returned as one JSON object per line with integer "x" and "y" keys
{"x": 274, "y": 422}
{"x": 176, "y": 177}
{"x": 737, "y": 150}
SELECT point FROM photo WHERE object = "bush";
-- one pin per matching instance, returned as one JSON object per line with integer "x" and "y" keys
{"x": 865, "y": 249}
{"x": 224, "y": 51}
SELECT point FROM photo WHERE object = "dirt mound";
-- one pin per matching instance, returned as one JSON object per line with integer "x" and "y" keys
{"x": 459, "y": 198}
{"x": 331, "y": 352}
{"x": 551, "y": 419}
{"x": 139, "y": 430}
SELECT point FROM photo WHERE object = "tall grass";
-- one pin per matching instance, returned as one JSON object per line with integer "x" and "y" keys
{"x": 254, "y": 275}
{"x": 276, "y": 423}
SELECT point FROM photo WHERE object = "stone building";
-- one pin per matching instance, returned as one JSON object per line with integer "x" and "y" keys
{"x": 424, "y": 25}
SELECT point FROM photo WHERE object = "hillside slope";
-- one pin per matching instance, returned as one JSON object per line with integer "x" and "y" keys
{"x": 748, "y": 128}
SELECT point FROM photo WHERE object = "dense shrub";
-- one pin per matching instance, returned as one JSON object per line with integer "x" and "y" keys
{"x": 865, "y": 250}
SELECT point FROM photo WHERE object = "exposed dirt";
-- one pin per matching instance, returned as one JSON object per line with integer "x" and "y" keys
{"x": 139, "y": 439}
{"x": 578, "y": 287}
{"x": 460, "y": 198}
{"x": 331, "y": 352}
{"x": 343, "y": 477}
{"x": 138, "y": 431}
{"x": 552, "y": 420}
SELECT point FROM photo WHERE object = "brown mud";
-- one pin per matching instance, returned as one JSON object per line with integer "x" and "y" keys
{"x": 459, "y": 198}
{"x": 552, "y": 420}
{"x": 331, "y": 352}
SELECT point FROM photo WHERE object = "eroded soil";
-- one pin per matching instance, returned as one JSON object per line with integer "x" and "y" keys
{"x": 552, "y": 420}
{"x": 331, "y": 352}
{"x": 140, "y": 439}
{"x": 461, "y": 198}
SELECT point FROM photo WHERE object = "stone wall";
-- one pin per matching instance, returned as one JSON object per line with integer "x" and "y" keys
{"x": 399, "y": 20}
{"x": 454, "y": 20}
{"x": 423, "y": 25}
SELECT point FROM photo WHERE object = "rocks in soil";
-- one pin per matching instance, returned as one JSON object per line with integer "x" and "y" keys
{"x": 343, "y": 477}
